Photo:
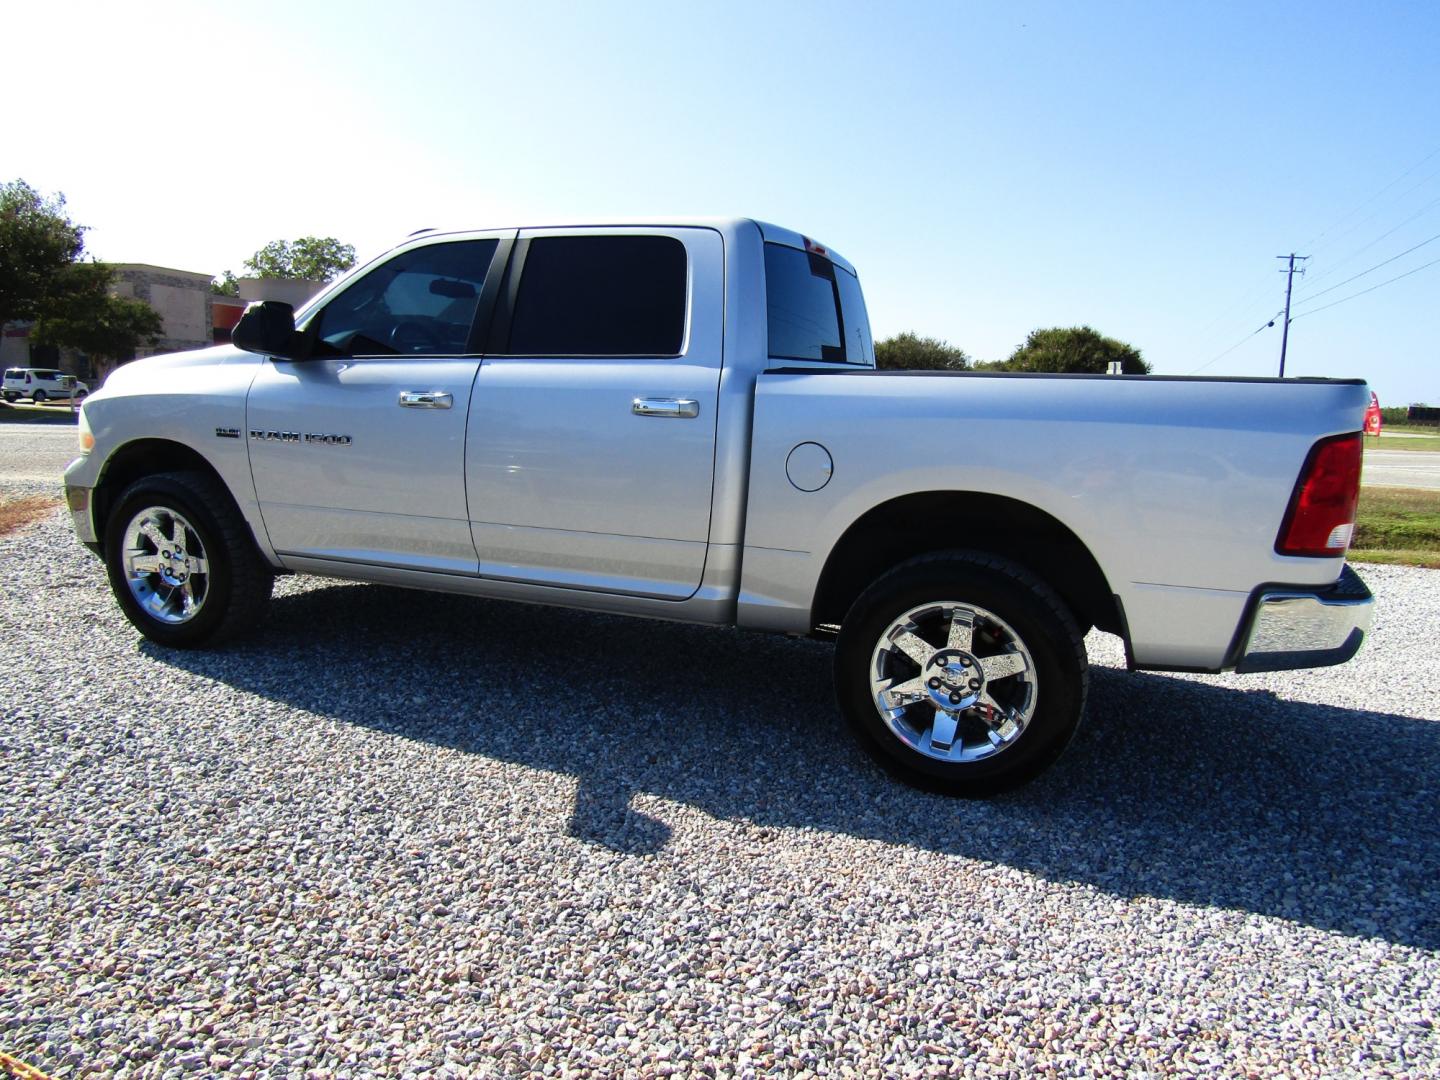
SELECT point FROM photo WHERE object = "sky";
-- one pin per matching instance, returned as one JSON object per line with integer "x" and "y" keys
{"x": 989, "y": 168}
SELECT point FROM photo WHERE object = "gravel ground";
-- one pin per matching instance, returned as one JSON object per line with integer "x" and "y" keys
{"x": 405, "y": 834}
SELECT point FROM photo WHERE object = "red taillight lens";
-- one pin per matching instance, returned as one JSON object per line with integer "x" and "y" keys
{"x": 1321, "y": 518}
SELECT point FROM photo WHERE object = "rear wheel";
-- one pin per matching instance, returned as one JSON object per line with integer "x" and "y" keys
{"x": 39, "y": 396}
{"x": 962, "y": 672}
{"x": 182, "y": 563}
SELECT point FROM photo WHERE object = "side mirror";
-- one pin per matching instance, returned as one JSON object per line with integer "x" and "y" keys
{"x": 268, "y": 327}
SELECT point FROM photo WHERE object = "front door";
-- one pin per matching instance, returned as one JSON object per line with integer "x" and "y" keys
{"x": 358, "y": 453}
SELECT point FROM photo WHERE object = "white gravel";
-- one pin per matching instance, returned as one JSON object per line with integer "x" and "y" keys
{"x": 402, "y": 834}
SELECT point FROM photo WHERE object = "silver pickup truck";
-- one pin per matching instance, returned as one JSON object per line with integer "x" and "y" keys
{"x": 684, "y": 421}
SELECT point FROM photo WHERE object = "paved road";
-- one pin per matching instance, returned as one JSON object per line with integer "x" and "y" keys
{"x": 1401, "y": 468}
{"x": 36, "y": 452}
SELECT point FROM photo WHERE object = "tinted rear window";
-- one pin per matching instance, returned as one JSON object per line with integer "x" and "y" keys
{"x": 815, "y": 309}
{"x": 601, "y": 296}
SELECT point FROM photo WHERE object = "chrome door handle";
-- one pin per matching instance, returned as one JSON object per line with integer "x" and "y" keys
{"x": 683, "y": 408}
{"x": 425, "y": 399}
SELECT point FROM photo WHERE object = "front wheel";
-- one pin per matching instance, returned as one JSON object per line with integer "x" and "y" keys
{"x": 182, "y": 563}
{"x": 962, "y": 672}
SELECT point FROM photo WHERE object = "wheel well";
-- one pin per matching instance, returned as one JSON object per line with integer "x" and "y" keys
{"x": 143, "y": 457}
{"x": 946, "y": 520}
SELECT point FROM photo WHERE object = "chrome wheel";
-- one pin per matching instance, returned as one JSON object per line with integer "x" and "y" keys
{"x": 165, "y": 565}
{"x": 953, "y": 682}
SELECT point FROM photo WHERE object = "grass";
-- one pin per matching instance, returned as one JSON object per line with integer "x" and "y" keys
{"x": 1398, "y": 525}
{"x": 1429, "y": 443}
{"x": 17, "y": 512}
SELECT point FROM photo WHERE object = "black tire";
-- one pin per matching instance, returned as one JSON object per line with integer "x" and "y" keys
{"x": 1012, "y": 611}
{"x": 39, "y": 396}
{"x": 236, "y": 582}
{"x": 11, "y": 397}
{"x": 81, "y": 395}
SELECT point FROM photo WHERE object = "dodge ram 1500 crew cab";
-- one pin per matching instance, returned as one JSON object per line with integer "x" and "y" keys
{"x": 685, "y": 421}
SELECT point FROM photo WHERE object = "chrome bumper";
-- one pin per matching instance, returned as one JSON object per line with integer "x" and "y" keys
{"x": 1300, "y": 628}
{"x": 78, "y": 500}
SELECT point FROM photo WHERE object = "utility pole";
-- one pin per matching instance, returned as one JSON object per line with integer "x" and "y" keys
{"x": 1289, "y": 273}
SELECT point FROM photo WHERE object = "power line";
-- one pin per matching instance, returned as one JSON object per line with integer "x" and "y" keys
{"x": 1360, "y": 251}
{"x": 1372, "y": 288}
{"x": 1366, "y": 202}
{"x": 1243, "y": 303}
{"x": 1381, "y": 210}
{"x": 1357, "y": 277}
{"x": 1242, "y": 341}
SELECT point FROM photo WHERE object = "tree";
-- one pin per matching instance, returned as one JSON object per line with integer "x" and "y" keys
{"x": 87, "y": 317}
{"x": 225, "y": 285}
{"x": 910, "y": 352}
{"x": 307, "y": 259}
{"x": 1073, "y": 350}
{"x": 43, "y": 278}
{"x": 37, "y": 242}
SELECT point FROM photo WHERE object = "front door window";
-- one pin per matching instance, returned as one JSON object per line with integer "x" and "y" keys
{"x": 422, "y": 302}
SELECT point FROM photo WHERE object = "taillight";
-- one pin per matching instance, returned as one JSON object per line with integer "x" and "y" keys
{"x": 1321, "y": 518}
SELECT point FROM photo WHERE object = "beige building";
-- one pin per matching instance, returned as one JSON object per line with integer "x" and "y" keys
{"x": 15, "y": 349}
{"x": 193, "y": 316}
{"x": 182, "y": 299}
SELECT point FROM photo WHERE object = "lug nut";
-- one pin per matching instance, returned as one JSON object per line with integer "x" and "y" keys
{"x": 934, "y": 684}
{"x": 955, "y": 699}
{"x": 974, "y": 684}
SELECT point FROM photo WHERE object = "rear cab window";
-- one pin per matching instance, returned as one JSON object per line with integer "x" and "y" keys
{"x": 815, "y": 310}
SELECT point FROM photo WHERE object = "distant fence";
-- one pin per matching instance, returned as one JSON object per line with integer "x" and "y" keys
{"x": 1423, "y": 414}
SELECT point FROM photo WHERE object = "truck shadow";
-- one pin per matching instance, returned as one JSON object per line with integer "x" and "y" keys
{"x": 1175, "y": 789}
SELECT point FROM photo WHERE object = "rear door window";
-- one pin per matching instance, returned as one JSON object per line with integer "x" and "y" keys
{"x": 601, "y": 296}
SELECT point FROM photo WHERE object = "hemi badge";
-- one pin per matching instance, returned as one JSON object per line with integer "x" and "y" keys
{"x": 227, "y": 432}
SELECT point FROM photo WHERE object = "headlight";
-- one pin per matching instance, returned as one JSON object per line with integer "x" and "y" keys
{"x": 84, "y": 436}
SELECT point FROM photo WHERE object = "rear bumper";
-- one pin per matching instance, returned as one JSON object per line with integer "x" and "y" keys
{"x": 1302, "y": 627}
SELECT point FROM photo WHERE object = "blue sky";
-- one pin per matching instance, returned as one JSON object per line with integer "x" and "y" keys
{"x": 988, "y": 168}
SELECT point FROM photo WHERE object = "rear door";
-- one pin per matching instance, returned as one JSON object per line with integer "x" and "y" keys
{"x": 591, "y": 444}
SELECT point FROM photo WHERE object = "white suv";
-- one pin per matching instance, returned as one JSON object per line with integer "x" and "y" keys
{"x": 42, "y": 384}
